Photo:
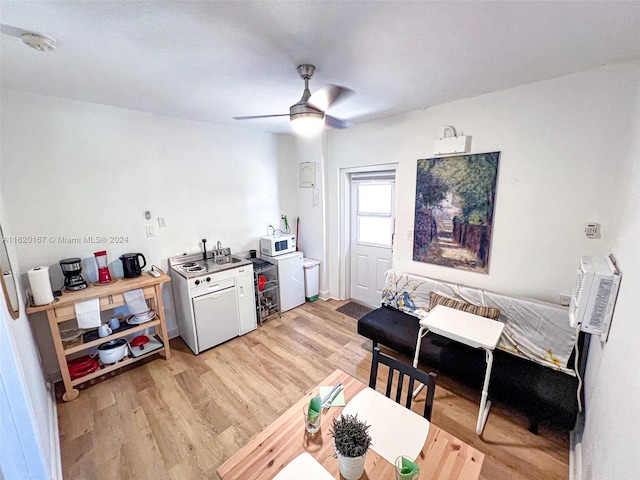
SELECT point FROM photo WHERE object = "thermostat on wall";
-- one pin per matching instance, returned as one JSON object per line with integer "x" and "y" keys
{"x": 592, "y": 230}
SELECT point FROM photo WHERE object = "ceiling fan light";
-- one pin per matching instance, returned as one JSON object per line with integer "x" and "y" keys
{"x": 307, "y": 125}
{"x": 42, "y": 43}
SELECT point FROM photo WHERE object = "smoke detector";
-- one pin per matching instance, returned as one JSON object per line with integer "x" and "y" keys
{"x": 42, "y": 43}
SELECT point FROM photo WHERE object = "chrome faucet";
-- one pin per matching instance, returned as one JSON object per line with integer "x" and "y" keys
{"x": 218, "y": 253}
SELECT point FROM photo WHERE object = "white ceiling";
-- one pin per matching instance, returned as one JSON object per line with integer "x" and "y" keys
{"x": 211, "y": 60}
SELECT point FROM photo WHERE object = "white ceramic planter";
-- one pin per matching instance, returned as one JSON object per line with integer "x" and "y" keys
{"x": 351, "y": 468}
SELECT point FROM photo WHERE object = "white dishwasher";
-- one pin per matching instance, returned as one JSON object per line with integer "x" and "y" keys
{"x": 216, "y": 314}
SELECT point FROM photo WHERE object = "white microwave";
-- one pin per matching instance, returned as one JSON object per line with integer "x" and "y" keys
{"x": 273, "y": 246}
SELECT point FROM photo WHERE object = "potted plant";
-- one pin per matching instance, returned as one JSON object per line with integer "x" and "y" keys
{"x": 352, "y": 440}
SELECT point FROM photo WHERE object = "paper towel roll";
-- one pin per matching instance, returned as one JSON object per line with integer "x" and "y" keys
{"x": 40, "y": 285}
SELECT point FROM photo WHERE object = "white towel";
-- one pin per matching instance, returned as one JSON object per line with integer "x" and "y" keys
{"x": 135, "y": 301}
{"x": 88, "y": 313}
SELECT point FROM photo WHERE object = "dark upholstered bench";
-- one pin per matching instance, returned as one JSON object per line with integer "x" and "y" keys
{"x": 543, "y": 394}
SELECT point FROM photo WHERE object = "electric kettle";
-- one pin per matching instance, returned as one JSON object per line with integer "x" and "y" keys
{"x": 130, "y": 265}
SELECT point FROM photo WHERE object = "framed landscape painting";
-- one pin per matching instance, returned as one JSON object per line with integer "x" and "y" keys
{"x": 455, "y": 199}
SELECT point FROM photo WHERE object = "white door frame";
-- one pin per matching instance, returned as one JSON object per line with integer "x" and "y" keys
{"x": 344, "y": 202}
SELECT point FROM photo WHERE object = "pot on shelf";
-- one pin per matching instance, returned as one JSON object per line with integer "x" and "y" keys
{"x": 81, "y": 366}
{"x": 140, "y": 341}
{"x": 112, "y": 351}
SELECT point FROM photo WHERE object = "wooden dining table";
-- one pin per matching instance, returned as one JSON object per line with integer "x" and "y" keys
{"x": 442, "y": 457}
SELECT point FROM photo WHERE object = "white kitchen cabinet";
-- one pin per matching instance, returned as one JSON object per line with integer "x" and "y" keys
{"x": 246, "y": 300}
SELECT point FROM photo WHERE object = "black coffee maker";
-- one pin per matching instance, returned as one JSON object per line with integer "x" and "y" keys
{"x": 131, "y": 267}
{"x": 71, "y": 268}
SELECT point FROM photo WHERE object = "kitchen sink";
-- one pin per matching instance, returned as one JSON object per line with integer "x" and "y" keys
{"x": 225, "y": 262}
{"x": 227, "y": 259}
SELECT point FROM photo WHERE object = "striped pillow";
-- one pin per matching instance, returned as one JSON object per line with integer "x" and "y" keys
{"x": 481, "y": 310}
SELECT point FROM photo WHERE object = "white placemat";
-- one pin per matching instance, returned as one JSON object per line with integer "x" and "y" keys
{"x": 303, "y": 466}
{"x": 395, "y": 430}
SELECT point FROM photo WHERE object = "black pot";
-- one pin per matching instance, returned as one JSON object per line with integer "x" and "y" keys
{"x": 130, "y": 265}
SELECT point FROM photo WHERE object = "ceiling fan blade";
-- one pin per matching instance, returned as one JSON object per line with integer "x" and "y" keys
{"x": 328, "y": 95}
{"x": 12, "y": 31}
{"x": 334, "y": 122}
{"x": 261, "y": 116}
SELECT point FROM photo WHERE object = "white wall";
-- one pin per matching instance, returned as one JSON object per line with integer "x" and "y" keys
{"x": 611, "y": 435}
{"x": 312, "y": 237}
{"x": 29, "y": 436}
{"x": 77, "y": 169}
{"x": 560, "y": 144}
{"x": 570, "y": 154}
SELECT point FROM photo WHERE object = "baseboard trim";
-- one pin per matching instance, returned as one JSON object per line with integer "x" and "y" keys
{"x": 54, "y": 436}
{"x": 575, "y": 450}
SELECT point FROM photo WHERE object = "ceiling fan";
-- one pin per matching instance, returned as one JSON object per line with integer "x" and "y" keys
{"x": 37, "y": 41}
{"x": 308, "y": 115}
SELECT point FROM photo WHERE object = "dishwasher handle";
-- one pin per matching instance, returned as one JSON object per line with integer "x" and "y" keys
{"x": 213, "y": 294}
{"x": 218, "y": 286}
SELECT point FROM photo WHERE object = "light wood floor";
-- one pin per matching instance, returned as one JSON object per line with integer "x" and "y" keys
{"x": 180, "y": 419}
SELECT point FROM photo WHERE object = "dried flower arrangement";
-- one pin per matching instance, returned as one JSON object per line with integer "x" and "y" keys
{"x": 351, "y": 436}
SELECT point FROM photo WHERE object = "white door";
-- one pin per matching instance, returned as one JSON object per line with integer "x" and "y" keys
{"x": 372, "y": 212}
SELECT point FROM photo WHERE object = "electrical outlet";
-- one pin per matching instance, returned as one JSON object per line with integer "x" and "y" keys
{"x": 147, "y": 215}
{"x": 162, "y": 221}
{"x": 409, "y": 234}
{"x": 565, "y": 299}
{"x": 151, "y": 231}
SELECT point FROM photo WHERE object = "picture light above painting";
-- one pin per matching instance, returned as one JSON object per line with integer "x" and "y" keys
{"x": 455, "y": 201}
{"x": 450, "y": 142}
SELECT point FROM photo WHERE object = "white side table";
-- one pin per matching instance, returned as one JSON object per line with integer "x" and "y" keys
{"x": 468, "y": 329}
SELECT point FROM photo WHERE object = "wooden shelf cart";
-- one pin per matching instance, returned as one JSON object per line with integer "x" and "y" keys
{"x": 111, "y": 296}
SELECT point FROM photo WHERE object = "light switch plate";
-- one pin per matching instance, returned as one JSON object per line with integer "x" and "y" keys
{"x": 151, "y": 231}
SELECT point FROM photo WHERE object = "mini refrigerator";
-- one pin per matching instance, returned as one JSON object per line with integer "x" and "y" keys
{"x": 290, "y": 278}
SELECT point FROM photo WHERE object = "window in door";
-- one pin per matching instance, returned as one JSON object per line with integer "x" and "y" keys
{"x": 374, "y": 215}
